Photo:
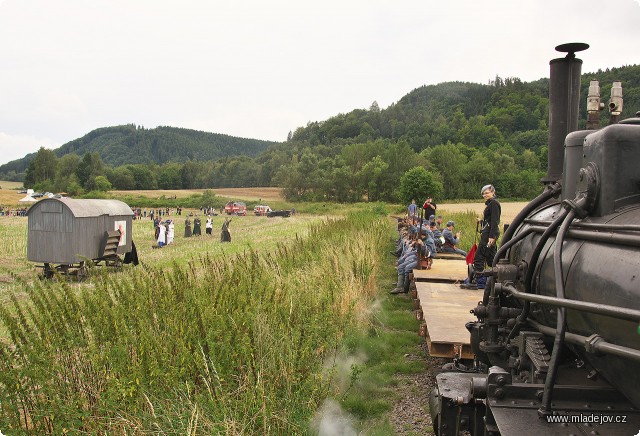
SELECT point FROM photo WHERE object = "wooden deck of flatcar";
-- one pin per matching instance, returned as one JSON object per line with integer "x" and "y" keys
{"x": 443, "y": 270}
{"x": 444, "y": 307}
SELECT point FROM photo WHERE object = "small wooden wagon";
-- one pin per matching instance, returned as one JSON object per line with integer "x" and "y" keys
{"x": 65, "y": 233}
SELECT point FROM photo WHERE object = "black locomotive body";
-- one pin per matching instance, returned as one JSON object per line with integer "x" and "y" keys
{"x": 557, "y": 328}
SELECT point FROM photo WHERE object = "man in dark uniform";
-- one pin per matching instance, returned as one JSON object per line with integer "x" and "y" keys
{"x": 487, "y": 249}
{"x": 429, "y": 207}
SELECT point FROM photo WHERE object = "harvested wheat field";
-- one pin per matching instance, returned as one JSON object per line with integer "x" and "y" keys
{"x": 9, "y": 195}
{"x": 509, "y": 210}
{"x": 249, "y": 194}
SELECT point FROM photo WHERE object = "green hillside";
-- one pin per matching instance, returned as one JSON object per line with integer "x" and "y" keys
{"x": 445, "y": 140}
{"x": 129, "y": 144}
{"x": 464, "y": 135}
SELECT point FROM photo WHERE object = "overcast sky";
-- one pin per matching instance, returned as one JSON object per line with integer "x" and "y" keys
{"x": 259, "y": 69}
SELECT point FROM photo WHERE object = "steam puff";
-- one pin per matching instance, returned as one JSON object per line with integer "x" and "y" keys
{"x": 331, "y": 420}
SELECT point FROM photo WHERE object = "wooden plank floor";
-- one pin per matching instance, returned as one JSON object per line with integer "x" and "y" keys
{"x": 445, "y": 308}
{"x": 443, "y": 270}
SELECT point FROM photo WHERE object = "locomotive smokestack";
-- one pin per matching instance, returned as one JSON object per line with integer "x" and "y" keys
{"x": 564, "y": 101}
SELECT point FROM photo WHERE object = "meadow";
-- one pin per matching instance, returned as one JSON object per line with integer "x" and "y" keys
{"x": 203, "y": 338}
{"x": 249, "y": 337}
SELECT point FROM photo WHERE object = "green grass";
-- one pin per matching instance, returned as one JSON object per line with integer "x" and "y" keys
{"x": 377, "y": 357}
{"x": 241, "y": 338}
{"x": 221, "y": 339}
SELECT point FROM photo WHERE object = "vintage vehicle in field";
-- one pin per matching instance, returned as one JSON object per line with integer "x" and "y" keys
{"x": 235, "y": 208}
{"x": 282, "y": 213}
{"x": 261, "y": 210}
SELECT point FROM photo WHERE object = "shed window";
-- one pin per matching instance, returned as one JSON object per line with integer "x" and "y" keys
{"x": 51, "y": 207}
{"x": 50, "y": 217}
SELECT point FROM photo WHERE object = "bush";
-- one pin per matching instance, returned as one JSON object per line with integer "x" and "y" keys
{"x": 419, "y": 184}
{"x": 102, "y": 184}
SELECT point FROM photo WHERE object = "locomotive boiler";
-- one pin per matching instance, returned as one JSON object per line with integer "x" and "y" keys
{"x": 557, "y": 340}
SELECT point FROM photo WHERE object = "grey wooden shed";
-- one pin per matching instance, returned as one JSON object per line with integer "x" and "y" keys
{"x": 69, "y": 231}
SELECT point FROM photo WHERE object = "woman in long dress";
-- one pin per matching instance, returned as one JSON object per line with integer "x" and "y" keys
{"x": 225, "y": 235}
{"x": 162, "y": 240}
{"x": 196, "y": 227}
{"x": 170, "y": 232}
{"x": 187, "y": 228}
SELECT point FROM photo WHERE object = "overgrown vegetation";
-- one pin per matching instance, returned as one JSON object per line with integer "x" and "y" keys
{"x": 228, "y": 345}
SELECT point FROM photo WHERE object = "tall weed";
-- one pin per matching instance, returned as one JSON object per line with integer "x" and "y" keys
{"x": 231, "y": 345}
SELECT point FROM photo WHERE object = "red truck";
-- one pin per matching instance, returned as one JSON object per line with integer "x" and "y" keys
{"x": 235, "y": 208}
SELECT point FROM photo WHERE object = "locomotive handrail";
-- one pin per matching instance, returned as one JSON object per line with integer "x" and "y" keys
{"x": 593, "y": 226}
{"x": 595, "y": 343}
{"x": 550, "y": 192}
{"x": 609, "y": 237}
{"x": 598, "y": 308}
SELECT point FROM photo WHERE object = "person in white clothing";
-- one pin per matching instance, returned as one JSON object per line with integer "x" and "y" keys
{"x": 209, "y": 225}
{"x": 162, "y": 240}
{"x": 170, "y": 232}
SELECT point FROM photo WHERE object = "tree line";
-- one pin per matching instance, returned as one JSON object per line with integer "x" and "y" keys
{"x": 132, "y": 144}
{"x": 454, "y": 137}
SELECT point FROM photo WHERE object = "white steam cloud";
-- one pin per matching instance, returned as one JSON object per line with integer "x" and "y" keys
{"x": 332, "y": 420}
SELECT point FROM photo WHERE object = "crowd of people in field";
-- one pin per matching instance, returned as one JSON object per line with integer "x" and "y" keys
{"x": 422, "y": 237}
{"x": 13, "y": 211}
{"x": 164, "y": 225}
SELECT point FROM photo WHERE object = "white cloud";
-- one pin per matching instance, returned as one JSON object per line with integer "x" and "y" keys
{"x": 332, "y": 420}
{"x": 14, "y": 147}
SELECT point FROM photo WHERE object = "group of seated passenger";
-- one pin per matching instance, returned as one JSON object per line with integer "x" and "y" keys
{"x": 419, "y": 239}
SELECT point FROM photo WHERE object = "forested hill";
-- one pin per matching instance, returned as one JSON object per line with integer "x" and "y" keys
{"x": 130, "y": 144}
{"x": 517, "y": 110}
{"x": 445, "y": 140}
{"x": 464, "y": 135}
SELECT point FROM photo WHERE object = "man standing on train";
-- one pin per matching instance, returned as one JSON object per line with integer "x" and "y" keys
{"x": 487, "y": 249}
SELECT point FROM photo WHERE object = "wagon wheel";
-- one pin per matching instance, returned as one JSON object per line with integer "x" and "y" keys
{"x": 47, "y": 272}
{"x": 83, "y": 273}
{"x": 117, "y": 263}
{"x": 63, "y": 269}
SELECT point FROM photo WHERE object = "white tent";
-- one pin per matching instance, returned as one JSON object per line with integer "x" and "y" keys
{"x": 27, "y": 199}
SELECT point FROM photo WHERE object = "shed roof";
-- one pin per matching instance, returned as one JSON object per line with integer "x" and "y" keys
{"x": 89, "y": 207}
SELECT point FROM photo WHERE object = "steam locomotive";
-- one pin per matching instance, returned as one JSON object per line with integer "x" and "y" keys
{"x": 557, "y": 340}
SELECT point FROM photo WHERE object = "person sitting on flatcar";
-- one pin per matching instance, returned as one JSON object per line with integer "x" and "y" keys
{"x": 451, "y": 241}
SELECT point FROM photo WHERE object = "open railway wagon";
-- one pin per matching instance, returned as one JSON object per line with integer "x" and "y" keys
{"x": 66, "y": 234}
{"x": 556, "y": 339}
